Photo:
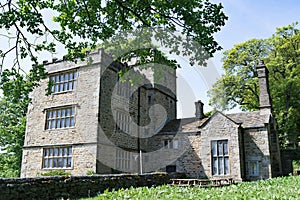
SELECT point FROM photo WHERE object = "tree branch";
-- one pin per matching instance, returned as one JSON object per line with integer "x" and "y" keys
{"x": 133, "y": 12}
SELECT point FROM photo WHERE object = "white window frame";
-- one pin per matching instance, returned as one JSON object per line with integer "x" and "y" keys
{"x": 63, "y": 81}
{"x": 220, "y": 157}
{"x": 60, "y": 117}
{"x": 57, "y": 157}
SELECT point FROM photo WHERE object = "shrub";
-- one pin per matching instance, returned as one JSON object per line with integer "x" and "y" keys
{"x": 56, "y": 173}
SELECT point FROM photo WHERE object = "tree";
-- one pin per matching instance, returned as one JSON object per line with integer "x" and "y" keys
{"x": 83, "y": 24}
{"x": 238, "y": 86}
{"x": 13, "y": 110}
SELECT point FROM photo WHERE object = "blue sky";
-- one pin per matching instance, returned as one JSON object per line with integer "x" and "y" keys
{"x": 247, "y": 19}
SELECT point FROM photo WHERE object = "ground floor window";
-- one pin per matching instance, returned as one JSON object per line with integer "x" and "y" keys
{"x": 220, "y": 157}
{"x": 171, "y": 168}
{"x": 253, "y": 168}
{"x": 57, "y": 157}
{"x": 122, "y": 160}
{"x": 170, "y": 144}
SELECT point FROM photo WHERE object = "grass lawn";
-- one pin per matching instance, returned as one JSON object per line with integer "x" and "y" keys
{"x": 277, "y": 188}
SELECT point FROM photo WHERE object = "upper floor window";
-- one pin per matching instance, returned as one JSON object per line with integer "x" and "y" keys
{"x": 123, "y": 122}
{"x": 124, "y": 89}
{"x": 64, "y": 81}
{"x": 60, "y": 117}
{"x": 220, "y": 157}
{"x": 57, "y": 157}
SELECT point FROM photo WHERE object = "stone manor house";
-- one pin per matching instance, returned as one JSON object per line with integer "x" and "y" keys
{"x": 95, "y": 122}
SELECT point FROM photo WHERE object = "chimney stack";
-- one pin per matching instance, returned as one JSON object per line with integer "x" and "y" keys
{"x": 264, "y": 92}
{"x": 199, "y": 109}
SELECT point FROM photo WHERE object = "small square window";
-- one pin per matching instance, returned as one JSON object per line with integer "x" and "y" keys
{"x": 253, "y": 168}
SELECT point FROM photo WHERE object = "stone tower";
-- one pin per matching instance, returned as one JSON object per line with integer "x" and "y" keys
{"x": 89, "y": 122}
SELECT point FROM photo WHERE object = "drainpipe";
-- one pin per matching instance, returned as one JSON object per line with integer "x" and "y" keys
{"x": 140, "y": 169}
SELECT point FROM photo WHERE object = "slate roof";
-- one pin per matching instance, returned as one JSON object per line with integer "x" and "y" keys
{"x": 250, "y": 119}
{"x": 183, "y": 125}
{"x": 246, "y": 119}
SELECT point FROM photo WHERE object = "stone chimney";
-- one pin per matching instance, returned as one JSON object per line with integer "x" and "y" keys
{"x": 199, "y": 109}
{"x": 264, "y": 92}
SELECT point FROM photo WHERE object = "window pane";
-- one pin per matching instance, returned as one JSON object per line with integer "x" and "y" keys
{"x": 220, "y": 148}
{"x": 70, "y": 86}
{"x": 58, "y": 125}
{"x": 70, "y": 151}
{"x": 73, "y": 110}
{"x": 71, "y": 76}
{"x": 46, "y": 165}
{"x": 58, "y": 113}
{"x": 166, "y": 142}
{"x": 55, "y": 88}
{"x": 66, "y": 76}
{"x": 50, "y": 152}
{"x": 62, "y": 113}
{"x": 214, "y": 148}
{"x": 221, "y": 165}
{"x": 68, "y": 112}
{"x": 72, "y": 122}
{"x": 61, "y": 87}
{"x": 226, "y": 163}
{"x": 67, "y": 122}
{"x": 61, "y": 78}
{"x": 215, "y": 166}
{"x": 52, "y": 124}
{"x": 60, "y": 162}
{"x": 69, "y": 162}
{"x": 49, "y": 114}
{"x": 55, "y": 152}
{"x": 65, "y": 161}
{"x": 60, "y": 151}
{"x": 49, "y": 124}
{"x": 63, "y": 123}
{"x": 75, "y": 75}
{"x": 54, "y": 114}
{"x": 175, "y": 144}
{"x": 50, "y": 162}
{"x": 225, "y": 148}
{"x": 66, "y": 86}
{"x": 46, "y": 152}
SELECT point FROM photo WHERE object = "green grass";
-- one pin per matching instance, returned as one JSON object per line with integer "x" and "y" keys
{"x": 277, "y": 188}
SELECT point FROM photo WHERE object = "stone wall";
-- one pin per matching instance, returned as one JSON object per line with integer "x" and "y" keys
{"x": 257, "y": 149}
{"x": 83, "y": 136}
{"x": 74, "y": 187}
{"x": 220, "y": 127}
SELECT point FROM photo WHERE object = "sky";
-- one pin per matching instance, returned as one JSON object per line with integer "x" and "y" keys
{"x": 247, "y": 19}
